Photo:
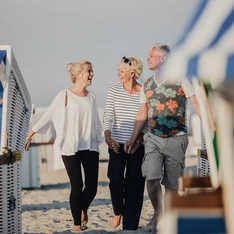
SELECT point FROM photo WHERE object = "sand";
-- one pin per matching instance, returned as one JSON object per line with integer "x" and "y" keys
{"x": 46, "y": 210}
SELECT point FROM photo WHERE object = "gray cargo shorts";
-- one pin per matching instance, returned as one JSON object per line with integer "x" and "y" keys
{"x": 164, "y": 158}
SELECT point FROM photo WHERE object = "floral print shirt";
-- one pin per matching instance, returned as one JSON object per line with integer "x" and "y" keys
{"x": 166, "y": 107}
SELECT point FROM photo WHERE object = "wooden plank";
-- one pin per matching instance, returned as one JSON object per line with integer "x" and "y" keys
{"x": 202, "y": 200}
{"x": 194, "y": 182}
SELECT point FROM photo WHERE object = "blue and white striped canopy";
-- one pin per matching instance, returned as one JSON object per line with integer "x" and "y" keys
{"x": 2, "y": 55}
{"x": 206, "y": 49}
{"x": 2, "y": 63}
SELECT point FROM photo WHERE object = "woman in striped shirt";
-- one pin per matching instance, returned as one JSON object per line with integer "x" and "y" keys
{"x": 124, "y": 170}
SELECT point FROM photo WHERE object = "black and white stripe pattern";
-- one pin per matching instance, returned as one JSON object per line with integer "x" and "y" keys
{"x": 121, "y": 110}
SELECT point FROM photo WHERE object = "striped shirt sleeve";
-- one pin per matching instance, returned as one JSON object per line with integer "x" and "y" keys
{"x": 109, "y": 110}
{"x": 120, "y": 113}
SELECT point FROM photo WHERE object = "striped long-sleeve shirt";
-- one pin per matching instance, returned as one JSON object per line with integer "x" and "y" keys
{"x": 121, "y": 110}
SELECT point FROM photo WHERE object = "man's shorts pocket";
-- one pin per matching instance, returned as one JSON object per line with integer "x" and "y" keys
{"x": 145, "y": 167}
{"x": 145, "y": 162}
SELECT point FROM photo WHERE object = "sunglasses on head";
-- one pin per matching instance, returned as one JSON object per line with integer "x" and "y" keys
{"x": 126, "y": 60}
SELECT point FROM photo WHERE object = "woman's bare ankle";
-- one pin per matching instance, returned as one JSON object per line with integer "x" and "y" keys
{"x": 115, "y": 222}
{"x": 77, "y": 228}
{"x": 84, "y": 219}
{"x": 84, "y": 216}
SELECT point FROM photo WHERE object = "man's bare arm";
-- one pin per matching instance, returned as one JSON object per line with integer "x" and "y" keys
{"x": 194, "y": 102}
{"x": 138, "y": 126}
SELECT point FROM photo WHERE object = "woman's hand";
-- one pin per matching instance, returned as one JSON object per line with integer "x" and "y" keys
{"x": 112, "y": 144}
{"x": 28, "y": 140}
{"x": 27, "y": 143}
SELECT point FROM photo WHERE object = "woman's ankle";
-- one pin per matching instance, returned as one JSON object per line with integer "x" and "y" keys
{"x": 115, "y": 222}
{"x": 84, "y": 216}
{"x": 77, "y": 228}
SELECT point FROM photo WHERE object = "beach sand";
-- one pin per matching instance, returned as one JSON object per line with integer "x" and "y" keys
{"x": 46, "y": 210}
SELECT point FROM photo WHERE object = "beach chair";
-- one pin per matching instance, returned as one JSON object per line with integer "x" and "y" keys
{"x": 205, "y": 55}
{"x": 15, "y": 112}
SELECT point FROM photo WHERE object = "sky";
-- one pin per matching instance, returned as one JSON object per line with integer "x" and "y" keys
{"x": 45, "y": 35}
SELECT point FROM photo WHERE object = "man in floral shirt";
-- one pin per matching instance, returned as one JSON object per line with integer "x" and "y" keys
{"x": 163, "y": 104}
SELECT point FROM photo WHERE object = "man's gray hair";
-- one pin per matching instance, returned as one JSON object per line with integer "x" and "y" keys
{"x": 162, "y": 49}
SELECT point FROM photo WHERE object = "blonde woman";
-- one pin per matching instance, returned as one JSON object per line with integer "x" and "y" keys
{"x": 74, "y": 115}
{"x": 124, "y": 170}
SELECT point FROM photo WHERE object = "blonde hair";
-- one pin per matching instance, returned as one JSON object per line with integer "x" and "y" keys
{"x": 136, "y": 66}
{"x": 75, "y": 68}
{"x": 162, "y": 49}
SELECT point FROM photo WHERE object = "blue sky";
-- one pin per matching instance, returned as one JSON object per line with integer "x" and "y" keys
{"x": 46, "y": 35}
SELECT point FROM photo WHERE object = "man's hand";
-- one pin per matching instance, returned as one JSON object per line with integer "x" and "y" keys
{"x": 129, "y": 146}
{"x": 135, "y": 147}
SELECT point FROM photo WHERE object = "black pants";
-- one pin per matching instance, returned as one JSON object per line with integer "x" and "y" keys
{"x": 127, "y": 185}
{"x": 81, "y": 198}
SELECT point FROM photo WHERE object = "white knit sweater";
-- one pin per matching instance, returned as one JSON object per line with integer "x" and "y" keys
{"x": 77, "y": 125}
